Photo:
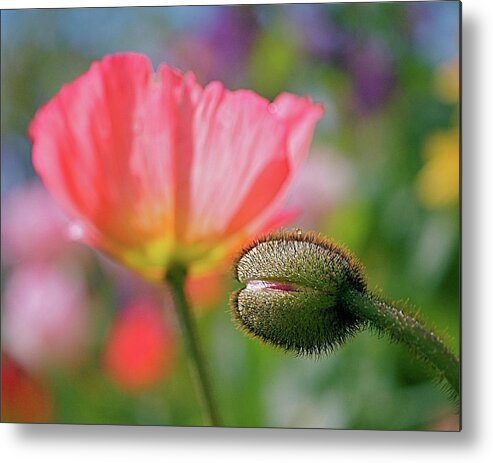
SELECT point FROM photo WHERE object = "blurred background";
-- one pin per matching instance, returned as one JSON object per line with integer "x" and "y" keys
{"x": 85, "y": 341}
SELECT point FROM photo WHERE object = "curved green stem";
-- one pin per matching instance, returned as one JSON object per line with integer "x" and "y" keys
{"x": 176, "y": 279}
{"x": 403, "y": 328}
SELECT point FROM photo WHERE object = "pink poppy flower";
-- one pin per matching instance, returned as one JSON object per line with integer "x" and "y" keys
{"x": 157, "y": 169}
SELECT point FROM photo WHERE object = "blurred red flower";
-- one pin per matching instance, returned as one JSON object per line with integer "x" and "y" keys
{"x": 24, "y": 398}
{"x": 158, "y": 169}
{"x": 140, "y": 347}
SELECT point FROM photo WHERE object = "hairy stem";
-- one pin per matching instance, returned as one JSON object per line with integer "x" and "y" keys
{"x": 403, "y": 328}
{"x": 176, "y": 280}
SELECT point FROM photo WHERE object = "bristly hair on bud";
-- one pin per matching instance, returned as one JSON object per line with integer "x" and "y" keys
{"x": 295, "y": 283}
{"x": 307, "y": 294}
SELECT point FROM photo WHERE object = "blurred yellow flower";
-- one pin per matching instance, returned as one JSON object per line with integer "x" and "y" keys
{"x": 438, "y": 182}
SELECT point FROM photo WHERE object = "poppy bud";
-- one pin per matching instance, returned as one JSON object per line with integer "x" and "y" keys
{"x": 294, "y": 297}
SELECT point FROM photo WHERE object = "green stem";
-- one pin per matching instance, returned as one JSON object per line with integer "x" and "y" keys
{"x": 176, "y": 279}
{"x": 403, "y": 328}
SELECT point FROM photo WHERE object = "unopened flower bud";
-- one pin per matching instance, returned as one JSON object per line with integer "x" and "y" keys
{"x": 294, "y": 294}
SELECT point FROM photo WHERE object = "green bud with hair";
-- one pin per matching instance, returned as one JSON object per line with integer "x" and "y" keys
{"x": 307, "y": 294}
{"x": 292, "y": 299}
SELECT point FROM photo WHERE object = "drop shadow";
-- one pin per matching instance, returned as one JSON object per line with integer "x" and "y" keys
{"x": 470, "y": 213}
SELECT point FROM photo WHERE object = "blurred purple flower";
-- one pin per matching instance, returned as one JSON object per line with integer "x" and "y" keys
{"x": 44, "y": 315}
{"x": 318, "y": 34}
{"x": 371, "y": 67}
{"x": 231, "y": 36}
{"x": 219, "y": 51}
{"x": 323, "y": 181}
{"x": 369, "y": 64}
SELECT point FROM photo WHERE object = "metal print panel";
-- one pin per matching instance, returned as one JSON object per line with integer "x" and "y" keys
{"x": 242, "y": 216}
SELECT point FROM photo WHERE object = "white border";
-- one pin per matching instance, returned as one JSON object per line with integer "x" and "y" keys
{"x": 56, "y": 444}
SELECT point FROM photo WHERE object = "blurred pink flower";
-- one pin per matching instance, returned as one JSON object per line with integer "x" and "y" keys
{"x": 322, "y": 181}
{"x": 33, "y": 226}
{"x": 44, "y": 315}
{"x": 160, "y": 170}
{"x": 140, "y": 349}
